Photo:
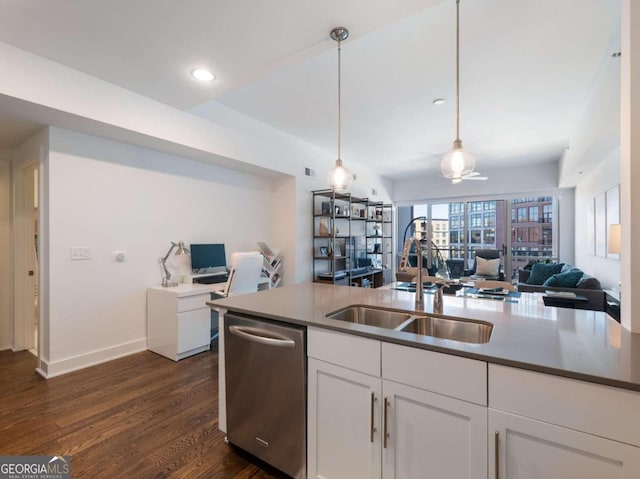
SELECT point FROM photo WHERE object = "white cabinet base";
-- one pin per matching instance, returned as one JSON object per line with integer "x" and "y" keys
{"x": 344, "y": 406}
{"x": 434, "y": 433}
{"x": 530, "y": 449}
{"x": 179, "y": 320}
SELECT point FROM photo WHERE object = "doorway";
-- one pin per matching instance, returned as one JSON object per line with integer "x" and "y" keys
{"x": 27, "y": 311}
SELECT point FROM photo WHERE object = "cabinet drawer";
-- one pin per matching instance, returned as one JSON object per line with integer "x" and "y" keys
{"x": 189, "y": 303}
{"x": 592, "y": 408}
{"x": 353, "y": 352}
{"x": 453, "y": 376}
{"x": 194, "y": 329}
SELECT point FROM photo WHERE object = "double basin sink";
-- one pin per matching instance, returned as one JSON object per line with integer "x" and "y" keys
{"x": 457, "y": 329}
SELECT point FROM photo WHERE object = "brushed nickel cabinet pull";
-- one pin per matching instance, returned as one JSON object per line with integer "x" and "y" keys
{"x": 496, "y": 445}
{"x": 386, "y": 434}
{"x": 373, "y": 429}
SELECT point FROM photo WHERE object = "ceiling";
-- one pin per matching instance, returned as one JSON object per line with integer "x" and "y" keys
{"x": 527, "y": 68}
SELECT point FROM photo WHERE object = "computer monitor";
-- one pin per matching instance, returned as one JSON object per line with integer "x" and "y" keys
{"x": 208, "y": 258}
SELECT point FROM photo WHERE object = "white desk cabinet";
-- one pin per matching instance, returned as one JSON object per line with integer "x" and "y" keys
{"x": 179, "y": 320}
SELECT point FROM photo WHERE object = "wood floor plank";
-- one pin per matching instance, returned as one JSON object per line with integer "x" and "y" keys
{"x": 141, "y": 416}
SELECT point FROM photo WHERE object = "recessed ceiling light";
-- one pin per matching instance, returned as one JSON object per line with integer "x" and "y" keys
{"x": 202, "y": 74}
{"x": 438, "y": 101}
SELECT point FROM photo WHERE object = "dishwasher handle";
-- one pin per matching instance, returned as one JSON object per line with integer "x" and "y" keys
{"x": 262, "y": 336}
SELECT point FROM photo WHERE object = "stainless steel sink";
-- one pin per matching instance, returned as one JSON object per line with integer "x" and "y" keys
{"x": 457, "y": 329}
{"x": 448, "y": 328}
{"x": 371, "y": 316}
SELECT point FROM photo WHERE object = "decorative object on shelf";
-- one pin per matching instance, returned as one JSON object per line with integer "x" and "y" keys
{"x": 323, "y": 229}
{"x": 339, "y": 177}
{"x": 458, "y": 164}
{"x": 166, "y": 274}
{"x": 324, "y": 251}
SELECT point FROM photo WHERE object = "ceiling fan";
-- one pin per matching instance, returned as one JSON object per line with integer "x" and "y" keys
{"x": 474, "y": 175}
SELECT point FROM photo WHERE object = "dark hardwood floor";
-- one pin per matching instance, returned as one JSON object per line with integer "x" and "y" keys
{"x": 142, "y": 416}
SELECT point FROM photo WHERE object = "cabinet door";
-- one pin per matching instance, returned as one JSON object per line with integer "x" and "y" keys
{"x": 432, "y": 436}
{"x": 194, "y": 329}
{"x": 343, "y": 423}
{"x": 529, "y": 449}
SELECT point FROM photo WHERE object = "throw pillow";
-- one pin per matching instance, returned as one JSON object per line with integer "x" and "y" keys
{"x": 564, "y": 280}
{"x": 540, "y": 272}
{"x": 487, "y": 267}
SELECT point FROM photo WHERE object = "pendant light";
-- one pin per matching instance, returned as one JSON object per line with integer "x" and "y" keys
{"x": 457, "y": 164}
{"x": 339, "y": 177}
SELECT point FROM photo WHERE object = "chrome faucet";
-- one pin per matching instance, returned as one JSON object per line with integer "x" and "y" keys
{"x": 419, "y": 303}
{"x": 437, "y": 296}
{"x": 438, "y": 299}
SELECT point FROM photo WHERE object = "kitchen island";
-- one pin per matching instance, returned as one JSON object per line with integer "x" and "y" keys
{"x": 553, "y": 387}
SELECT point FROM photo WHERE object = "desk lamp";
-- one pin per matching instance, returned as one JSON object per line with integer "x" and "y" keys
{"x": 166, "y": 275}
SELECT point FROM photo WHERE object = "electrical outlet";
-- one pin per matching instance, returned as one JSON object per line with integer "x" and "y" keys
{"x": 80, "y": 253}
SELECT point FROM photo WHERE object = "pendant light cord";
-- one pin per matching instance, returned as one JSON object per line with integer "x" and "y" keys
{"x": 339, "y": 96}
{"x": 458, "y": 70}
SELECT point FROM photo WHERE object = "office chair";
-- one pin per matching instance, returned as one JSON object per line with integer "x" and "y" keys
{"x": 244, "y": 274}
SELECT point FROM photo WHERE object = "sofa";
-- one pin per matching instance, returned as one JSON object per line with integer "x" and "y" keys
{"x": 586, "y": 285}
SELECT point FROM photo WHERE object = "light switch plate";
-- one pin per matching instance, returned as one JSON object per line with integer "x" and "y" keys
{"x": 81, "y": 253}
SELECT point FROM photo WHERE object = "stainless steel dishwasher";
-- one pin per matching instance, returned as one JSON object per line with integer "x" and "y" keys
{"x": 265, "y": 373}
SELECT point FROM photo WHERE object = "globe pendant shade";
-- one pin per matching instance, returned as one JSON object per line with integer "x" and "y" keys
{"x": 339, "y": 177}
{"x": 457, "y": 163}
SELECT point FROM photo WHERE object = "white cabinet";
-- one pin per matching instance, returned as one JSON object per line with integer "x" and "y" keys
{"x": 543, "y": 426}
{"x": 528, "y": 449}
{"x": 354, "y": 405}
{"x": 179, "y": 320}
{"x": 343, "y": 423}
{"x": 432, "y": 436}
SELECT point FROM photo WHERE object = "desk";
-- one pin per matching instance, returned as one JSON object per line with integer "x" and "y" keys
{"x": 179, "y": 320}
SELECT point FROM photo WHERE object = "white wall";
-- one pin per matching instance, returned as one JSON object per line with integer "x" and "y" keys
{"x": 110, "y": 196}
{"x": 6, "y": 281}
{"x": 602, "y": 178}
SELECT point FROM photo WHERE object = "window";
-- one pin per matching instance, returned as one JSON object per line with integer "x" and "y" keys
{"x": 547, "y": 213}
{"x": 533, "y": 214}
{"x": 489, "y": 237}
{"x": 476, "y": 220}
{"x": 547, "y": 236}
{"x": 455, "y": 222}
{"x": 453, "y": 237}
{"x": 522, "y": 215}
{"x": 534, "y": 234}
{"x": 489, "y": 220}
{"x": 476, "y": 236}
{"x": 475, "y": 206}
{"x": 522, "y": 235}
{"x": 489, "y": 205}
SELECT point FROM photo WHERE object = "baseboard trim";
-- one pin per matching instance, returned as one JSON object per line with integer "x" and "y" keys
{"x": 50, "y": 369}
